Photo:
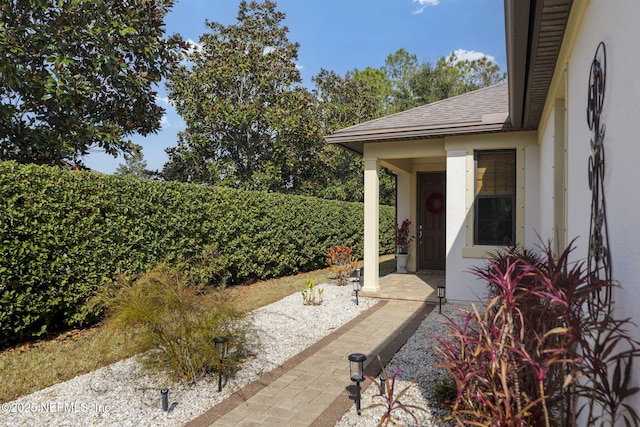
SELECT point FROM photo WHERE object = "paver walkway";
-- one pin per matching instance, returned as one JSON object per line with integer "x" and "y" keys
{"x": 311, "y": 389}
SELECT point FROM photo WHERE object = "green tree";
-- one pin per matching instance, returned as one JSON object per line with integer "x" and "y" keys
{"x": 134, "y": 165}
{"x": 451, "y": 77}
{"x": 343, "y": 102}
{"x": 400, "y": 67}
{"x": 79, "y": 74}
{"x": 432, "y": 83}
{"x": 379, "y": 80}
{"x": 414, "y": 84}
{"x": 250, "y": 124}
{"x": 478, "y": 73}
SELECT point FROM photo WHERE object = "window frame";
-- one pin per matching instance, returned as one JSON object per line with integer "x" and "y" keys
{"x": 526, "y": 171}
{"x": 476, "y": 197}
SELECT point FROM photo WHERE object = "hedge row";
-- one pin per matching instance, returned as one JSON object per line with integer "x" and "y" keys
{"x": 64, "y": 234}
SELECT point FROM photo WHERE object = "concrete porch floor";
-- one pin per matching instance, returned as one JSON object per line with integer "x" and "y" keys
{"x": 419, "y": 286}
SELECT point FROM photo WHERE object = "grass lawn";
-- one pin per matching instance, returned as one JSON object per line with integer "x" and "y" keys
{"x": 34, "y": 366}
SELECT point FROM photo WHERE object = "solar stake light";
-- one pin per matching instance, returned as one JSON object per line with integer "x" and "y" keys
{"x": 165, "y": 399}
{"x": 441, "y": 294}
{"x": 221, "y": 345}
{"x": 356, "y": 284}
{"x": 383, "y": 389}
{"x": 356, "y": 369}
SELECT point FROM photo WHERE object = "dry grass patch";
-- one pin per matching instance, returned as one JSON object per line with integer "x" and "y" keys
{"x": 34, "y": 366}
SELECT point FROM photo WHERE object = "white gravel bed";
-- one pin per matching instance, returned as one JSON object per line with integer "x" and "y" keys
{"x": 416, "y": 360}
{"x": 124, "y": 394}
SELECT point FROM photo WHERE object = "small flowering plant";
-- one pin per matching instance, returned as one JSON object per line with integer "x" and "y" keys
{"x": 403, "y": 239}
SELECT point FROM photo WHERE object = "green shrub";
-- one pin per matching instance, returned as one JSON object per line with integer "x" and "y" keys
{"x": 67, "y": 234}
{"x": 178, "y": 323}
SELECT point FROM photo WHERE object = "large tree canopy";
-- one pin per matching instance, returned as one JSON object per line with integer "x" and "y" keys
{"x": 414, "y": 84}
{"x": 400, "y": 68}
{"x": 79, "y": 74}
{"x": 250, "y": 124}
{"x": 342, "y": 102}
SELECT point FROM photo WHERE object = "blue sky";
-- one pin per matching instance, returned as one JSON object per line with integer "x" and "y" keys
{"x": 339, "y": 35}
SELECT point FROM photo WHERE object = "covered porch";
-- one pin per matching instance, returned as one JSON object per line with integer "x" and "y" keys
{"x": 419, "y": 286}
{"x": 431, "y": 149}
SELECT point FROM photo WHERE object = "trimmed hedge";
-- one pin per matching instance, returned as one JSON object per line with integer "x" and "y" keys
{"x": 64, "y": 234}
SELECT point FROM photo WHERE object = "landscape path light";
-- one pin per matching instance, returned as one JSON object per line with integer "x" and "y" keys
{"x": 221, "y": 345}
{"x": 356, "y": 284}
{"x": 441, "y": 294}
{"x": 383, "y": 383}
{"x": 165, "y": 399}
{"x": 356, "y": 371}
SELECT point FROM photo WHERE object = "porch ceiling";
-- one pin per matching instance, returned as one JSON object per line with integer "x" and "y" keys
{"x": 534, "y": 34}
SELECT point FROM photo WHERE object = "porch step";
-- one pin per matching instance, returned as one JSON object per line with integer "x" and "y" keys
{"x": 420, "y": 286}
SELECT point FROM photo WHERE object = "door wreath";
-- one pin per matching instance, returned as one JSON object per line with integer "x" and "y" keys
{"x": 435, "y": 203}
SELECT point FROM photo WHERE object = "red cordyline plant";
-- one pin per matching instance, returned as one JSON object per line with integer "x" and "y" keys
{"x": 542, "y": 351}
{"x": 403, "y": 239}
{"x": 341, "y": 261}
{"x": 391, "y": 397}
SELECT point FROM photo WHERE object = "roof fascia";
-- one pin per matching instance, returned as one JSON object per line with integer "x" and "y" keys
{"x": 517, "y": 24}
{"x": 342, "y": 138}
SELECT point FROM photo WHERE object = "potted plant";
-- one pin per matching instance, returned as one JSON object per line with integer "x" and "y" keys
{"x": 403, "y": 240}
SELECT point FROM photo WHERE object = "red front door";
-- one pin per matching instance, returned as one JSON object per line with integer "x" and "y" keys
{"x": 431, "y": 226}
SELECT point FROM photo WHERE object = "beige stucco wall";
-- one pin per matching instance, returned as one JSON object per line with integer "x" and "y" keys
{"x": 462, "y": 255}
{"x": 546, "y": 183}
{"x": 616, "y": 24}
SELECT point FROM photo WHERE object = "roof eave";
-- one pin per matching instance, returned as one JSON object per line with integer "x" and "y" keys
{"x": 517, "y": 39}
{"x": 529, "y": 64}
{"x": 354, "y": 141}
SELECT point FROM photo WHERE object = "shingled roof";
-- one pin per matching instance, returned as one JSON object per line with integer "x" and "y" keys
{"x": 480, "y": 111}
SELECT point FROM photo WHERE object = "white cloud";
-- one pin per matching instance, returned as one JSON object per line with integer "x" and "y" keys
{"x": 164, "y": 100}
{"x": 471, "y": 55}
{"x": 164, "y": 122}
{"x": 423, "y": 4}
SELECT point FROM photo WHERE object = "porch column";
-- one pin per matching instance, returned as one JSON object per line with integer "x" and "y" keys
{"x": 371, "y": 225}
{"x": 405, "y": 205}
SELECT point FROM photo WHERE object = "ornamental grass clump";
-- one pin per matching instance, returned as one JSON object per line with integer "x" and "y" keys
{"x": 543, "y": 351}
{"x": 178, "y": 322}
{"x": 341, "y": 261}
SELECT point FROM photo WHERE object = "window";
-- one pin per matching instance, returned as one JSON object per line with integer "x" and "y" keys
{"x": 495, "y": 197}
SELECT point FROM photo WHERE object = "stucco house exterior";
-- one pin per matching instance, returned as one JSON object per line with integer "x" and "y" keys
{"x": 515, "y": 161}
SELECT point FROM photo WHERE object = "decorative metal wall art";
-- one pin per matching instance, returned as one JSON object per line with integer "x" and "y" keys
{"x": 599, "y": 259}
